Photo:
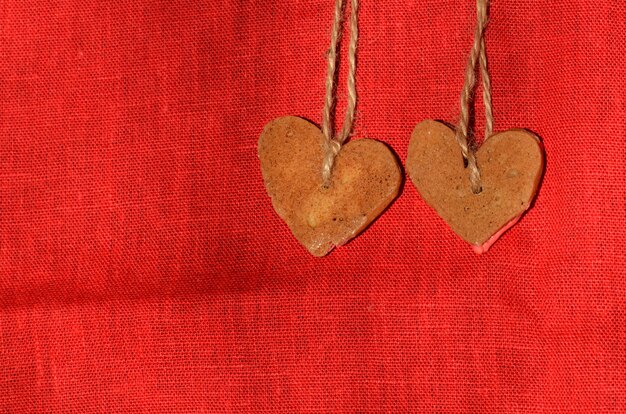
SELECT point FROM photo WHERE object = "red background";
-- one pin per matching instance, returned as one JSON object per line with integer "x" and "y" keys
{"x": 143, "y": 269}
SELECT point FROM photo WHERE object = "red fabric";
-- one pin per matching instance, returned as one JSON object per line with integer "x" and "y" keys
{"x": 142, "y": 268}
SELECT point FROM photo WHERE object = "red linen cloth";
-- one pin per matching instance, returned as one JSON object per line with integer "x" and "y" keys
{"x": 142, "y": 268}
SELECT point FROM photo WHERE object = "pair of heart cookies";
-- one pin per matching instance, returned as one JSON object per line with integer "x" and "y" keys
{"x": 366, "y": 178}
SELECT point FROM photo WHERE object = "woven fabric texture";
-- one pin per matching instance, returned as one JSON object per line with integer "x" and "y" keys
{"x": 143, "y": 269}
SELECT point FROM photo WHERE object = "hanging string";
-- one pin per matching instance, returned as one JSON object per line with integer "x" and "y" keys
{"x": 477, "y": 55}
{"x": 333, "y": 143}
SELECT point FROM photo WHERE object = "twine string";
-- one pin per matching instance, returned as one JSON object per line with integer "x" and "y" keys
{"x": 334, "y": 142}
{"x": 477, "y": 55}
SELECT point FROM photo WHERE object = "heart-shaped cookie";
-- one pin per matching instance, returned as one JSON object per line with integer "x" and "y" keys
{"x": 511, "y": 165}
{"x": 365, "y": 179}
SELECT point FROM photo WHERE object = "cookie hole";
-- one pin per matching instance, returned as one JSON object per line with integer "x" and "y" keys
{"x": 464, "y": 162}
{"x": 478, "y": 191}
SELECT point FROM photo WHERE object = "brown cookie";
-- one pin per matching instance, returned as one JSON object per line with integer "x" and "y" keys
{"x": 511, "y": 165}
{"x": 365, "y": 179}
